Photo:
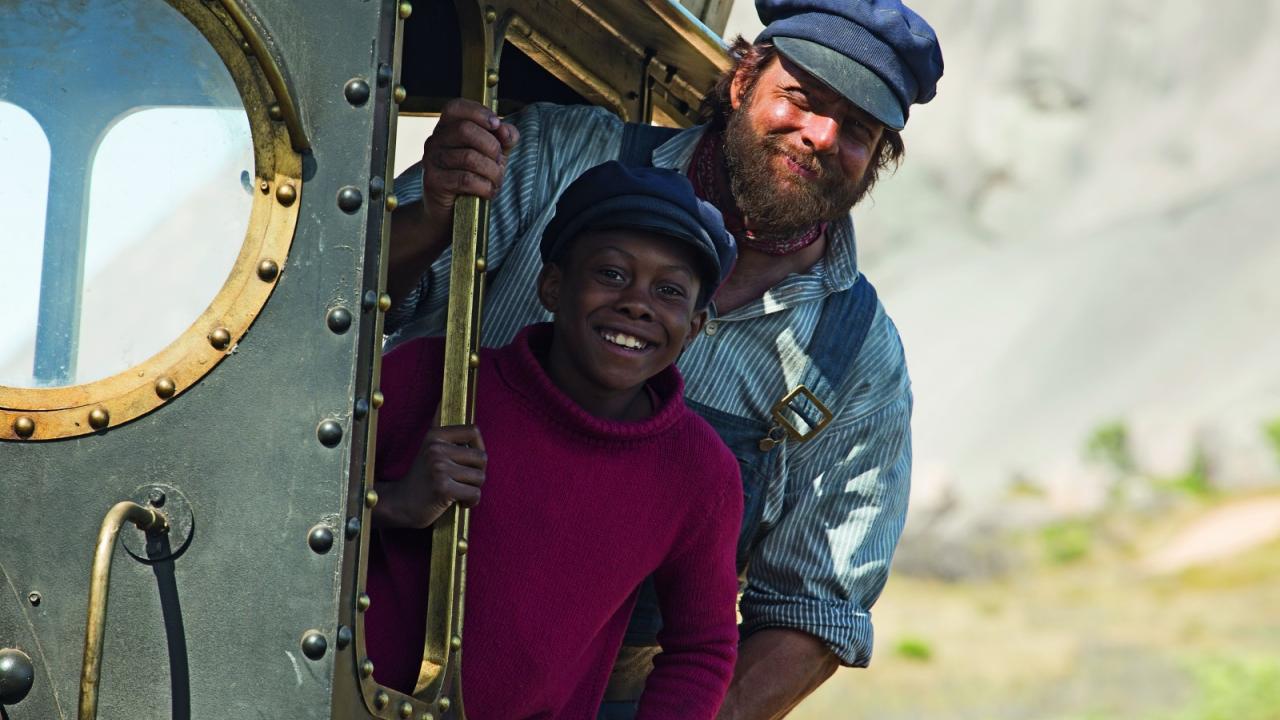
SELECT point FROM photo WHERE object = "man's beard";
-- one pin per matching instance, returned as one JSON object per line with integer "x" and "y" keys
{"x": 781, "y": 206}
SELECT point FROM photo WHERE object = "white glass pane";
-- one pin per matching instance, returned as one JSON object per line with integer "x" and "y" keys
{"x": 24, "y": 189}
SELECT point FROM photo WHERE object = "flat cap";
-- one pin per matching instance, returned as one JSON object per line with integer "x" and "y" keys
{"x": 613, "y": 196}
{"x": 878, "y": 54}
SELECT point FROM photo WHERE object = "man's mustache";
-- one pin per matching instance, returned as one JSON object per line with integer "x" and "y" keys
{"x": 806, "y": 159}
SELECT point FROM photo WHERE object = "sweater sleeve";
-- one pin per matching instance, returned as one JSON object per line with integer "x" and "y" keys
{"x": 697, "y": 589}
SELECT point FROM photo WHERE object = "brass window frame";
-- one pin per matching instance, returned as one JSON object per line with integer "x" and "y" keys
{"x": 35, "y": 414}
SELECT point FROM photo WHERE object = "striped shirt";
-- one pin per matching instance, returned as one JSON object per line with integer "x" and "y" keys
{"x": 835, "y": 506}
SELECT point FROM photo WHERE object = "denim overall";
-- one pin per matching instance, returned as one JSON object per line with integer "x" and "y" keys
{"x": 756, "y": 442}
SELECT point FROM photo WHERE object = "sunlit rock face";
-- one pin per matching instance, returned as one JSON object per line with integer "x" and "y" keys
{"x": 1083, "y": 236}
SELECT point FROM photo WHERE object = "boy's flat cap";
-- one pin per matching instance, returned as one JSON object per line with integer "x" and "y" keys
{"x": 613, "y": 196}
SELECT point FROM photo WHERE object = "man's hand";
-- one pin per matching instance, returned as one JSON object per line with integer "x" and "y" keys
{"x": 777, "y": 668}
{"x": 465, "y": 155}
{"x": 449, "y": 469}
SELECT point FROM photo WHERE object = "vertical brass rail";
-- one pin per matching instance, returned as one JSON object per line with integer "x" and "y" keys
{"x": 99, "y": 581}
{"x": 440, "y": 680}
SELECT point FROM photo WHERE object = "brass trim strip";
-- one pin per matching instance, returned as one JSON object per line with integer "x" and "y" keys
{"x": 275, "y": 78}
{"x": 95, "y": 629}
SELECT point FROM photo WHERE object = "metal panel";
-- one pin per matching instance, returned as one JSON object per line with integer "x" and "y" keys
{"x": 218, "y": 631}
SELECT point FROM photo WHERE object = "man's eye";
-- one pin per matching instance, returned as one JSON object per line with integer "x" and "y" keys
{"x": 674, "y": 291}
{"x": 610, "y": 274}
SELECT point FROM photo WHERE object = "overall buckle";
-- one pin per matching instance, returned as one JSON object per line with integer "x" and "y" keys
{"x": 793, "y": 402}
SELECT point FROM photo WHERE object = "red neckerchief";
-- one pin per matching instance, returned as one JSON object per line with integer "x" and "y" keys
{"x": 710, "y": 180}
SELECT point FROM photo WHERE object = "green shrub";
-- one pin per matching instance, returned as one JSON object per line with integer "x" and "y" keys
{"x": 1195, "y": 481}
{"x": 1234, "y": 689}
{"x": 1271, "y": 429}
{"x": 1109, "y": 444}
{"x": 1067, "y": 540}
{"x": 914, "y": 648}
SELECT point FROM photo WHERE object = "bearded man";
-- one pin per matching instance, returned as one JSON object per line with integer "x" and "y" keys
{"x": 800, "y": 370}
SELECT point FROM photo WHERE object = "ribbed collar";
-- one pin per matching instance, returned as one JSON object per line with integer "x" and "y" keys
{"x": 518, "y": 366}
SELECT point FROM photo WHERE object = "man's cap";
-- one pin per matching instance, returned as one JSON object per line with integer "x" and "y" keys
{"x": 878, "y": 54}
{"x": 612, "y": 196}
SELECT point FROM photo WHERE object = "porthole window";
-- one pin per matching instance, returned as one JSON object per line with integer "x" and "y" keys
{"x": 149, "y": 187}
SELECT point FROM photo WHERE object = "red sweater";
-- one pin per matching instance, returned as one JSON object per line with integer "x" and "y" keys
{"x": 576, "y": 511}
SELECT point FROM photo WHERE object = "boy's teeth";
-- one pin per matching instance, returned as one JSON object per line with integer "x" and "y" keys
{"x": 625, "y": 340}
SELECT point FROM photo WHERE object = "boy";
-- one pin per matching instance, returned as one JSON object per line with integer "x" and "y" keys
{"x": 598, "y": 477}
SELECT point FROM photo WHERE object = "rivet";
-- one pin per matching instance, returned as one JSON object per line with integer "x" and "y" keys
{"x": 34, "y": 598}
{"x": 24, "y": 427}
{"x": 343, "y": 637}
{"x": 370, "y": 300}
{"x": 350, "y": 199}
{"x": 357, "y": 91}
{"x": 353, "y": 528}
{"x": 427, "y": 716}
{"x": 339, "y": 320}
{"x": 380, "y": 699}
{"x": 320, "y": 539}
{"x": 265, "y": 187}
{"x": 363, "y": 602}
{"x": 406, "y": 9}
{"x": 399, "y": 94}
{"x": 98, "y": 418}
{"x": 314, "y": 645}
{"x": 286, "y": 194}
{"x": 366, "y": 667}
{"x": 384, "y": 302}
{"x": 376, "y": 186}
{"x": 244, "y": 45}
{"x": 481, "y": 264}
{"x": 360, "y": 409}
{"x": 490, "y": 15}
{"x": 455, "y": 642}
{"x": 165, "y": 388}
{"x": 371, "y": 499}
{"x": 329, "y": 432}
{"x": 220, "y": 338}
{"x": 385, "y": 73}
{"x": 491, "y": 78}
{"x": 274, "y": 112}
{"x": 406, "y": 709}
{"x": 393, "y": 202}
{"x": 268, "y": 270}
{"x": 444, "y": 704}
{"x": 378, "y": 398}
{"x": 473, "y": 360}
{"x": 462, "y": 547}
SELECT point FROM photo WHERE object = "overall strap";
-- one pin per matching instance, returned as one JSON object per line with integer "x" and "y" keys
{"x": 639, "y": 141}
{"x": 842, "y": 328}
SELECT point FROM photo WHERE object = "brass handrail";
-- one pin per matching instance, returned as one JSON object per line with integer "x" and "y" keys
{"x": 95, "y": 630}
{"x": 441, "y": 672}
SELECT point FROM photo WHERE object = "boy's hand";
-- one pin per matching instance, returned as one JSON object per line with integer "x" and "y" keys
{"x": 449, "y": 469}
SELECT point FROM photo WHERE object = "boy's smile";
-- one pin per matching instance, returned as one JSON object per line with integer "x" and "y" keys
{"x": 625, "y": 304}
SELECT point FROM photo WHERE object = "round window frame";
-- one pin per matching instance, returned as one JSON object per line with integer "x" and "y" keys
{"x": 34, "y": 414}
